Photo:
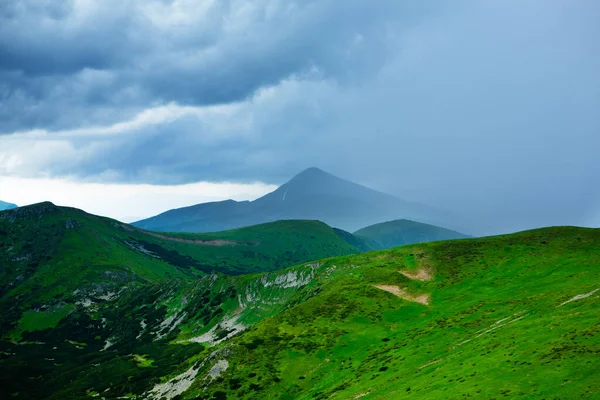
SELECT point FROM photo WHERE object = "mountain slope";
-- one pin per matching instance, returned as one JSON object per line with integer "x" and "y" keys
{"x": 6, "y": 206}
{"x": 510, "y": 316}
{"x": 62, "y": 256}
{"x": 313, "y": 194}
{"x": 390, "y": 234}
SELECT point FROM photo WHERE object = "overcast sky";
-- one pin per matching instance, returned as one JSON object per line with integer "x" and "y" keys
{"x": 490, "y": 109}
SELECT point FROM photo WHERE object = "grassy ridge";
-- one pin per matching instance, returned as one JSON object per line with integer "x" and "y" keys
{"x": 53, "y": 256}
{"x": 273, "y": 245}
{"x": 400, "y": 232}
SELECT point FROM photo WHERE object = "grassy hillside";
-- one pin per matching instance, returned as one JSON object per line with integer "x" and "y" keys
{"x": 57, "y": 256}
{"x": 280, "y": 244}
{"x": 402, "y": 231}
{"x": 502, "y": 317}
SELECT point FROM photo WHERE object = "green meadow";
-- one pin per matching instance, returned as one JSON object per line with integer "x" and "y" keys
{"x": 92, "y": 308}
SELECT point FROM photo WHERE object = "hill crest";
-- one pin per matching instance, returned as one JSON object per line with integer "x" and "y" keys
{"x": 385, "y": 235}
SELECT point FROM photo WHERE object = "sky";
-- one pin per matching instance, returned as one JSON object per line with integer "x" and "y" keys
{"x": 489, "y": 109}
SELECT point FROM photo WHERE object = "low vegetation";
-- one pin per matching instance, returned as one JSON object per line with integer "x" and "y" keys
{"x": 510, "y": 316}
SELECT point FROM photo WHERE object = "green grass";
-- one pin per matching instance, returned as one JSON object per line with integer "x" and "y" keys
{"x": 55, "y": 255}
{"x": 353, "y": 339}
{"x": 266, "y": 247}
{"x": 40, "y": 320}
{"x": 142, "y": 361}
{"x": 512, "y": 316}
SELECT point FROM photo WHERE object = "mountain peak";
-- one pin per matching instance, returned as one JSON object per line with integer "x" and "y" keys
{"x": 311, "y": 172}
{"x": 312, "y": 169}
{"x": 312, "y": 194}
{"x": 312, "y": 176}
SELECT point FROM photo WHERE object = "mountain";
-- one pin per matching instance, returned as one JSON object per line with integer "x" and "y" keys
{"x": 511, "y": 316}
{"x": 44, "y": 236}
{"x": 6, "y": 206}
{"x": 59, "y": 255}
{"x": 386, "y": 235}
{"x": 313, "y": 194}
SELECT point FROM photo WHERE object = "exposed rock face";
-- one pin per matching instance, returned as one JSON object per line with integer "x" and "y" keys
{"x": 226, "y": 329}
{"x": 180, "y": 383}
{"x": 174, "y": 386}
{"x": 291, "y": 278}
{"x": 218, "y": 368}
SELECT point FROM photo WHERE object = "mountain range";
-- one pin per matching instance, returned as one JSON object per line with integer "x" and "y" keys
{"x": 94, "y": 308}
{"x": 313, "y": 194}
{"x": 6, "y": 206}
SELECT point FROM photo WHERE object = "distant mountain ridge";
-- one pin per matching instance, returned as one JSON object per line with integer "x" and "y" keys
{"x": 312, "y": 194}
{"x": 6, "y": 206}
{"x": 400, "y": 232}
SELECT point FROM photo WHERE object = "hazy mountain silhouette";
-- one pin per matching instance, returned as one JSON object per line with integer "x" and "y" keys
{"x": 400, "y": 232}
{"x": 6, "y": 206}
{"x": 312, "y": 194}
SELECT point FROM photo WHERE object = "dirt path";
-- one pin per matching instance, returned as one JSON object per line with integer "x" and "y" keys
{"x": 422, "y": 299}
{"x": 421, "y": 274}
{"x": 205, "y": 242}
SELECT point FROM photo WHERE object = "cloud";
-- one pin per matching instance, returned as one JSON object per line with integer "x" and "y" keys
{"x": 485, "y": 108}
{"x": 116, "y": 56}
{"x": 126, "y": 202}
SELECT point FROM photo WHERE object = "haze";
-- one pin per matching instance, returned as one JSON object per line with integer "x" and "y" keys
{"x": 488, "y": 109}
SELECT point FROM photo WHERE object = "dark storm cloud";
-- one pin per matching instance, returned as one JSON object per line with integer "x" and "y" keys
{"x": 96, "y": 53}
{"x": 489, "y": 109}
{"x": 46, "y": 38}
